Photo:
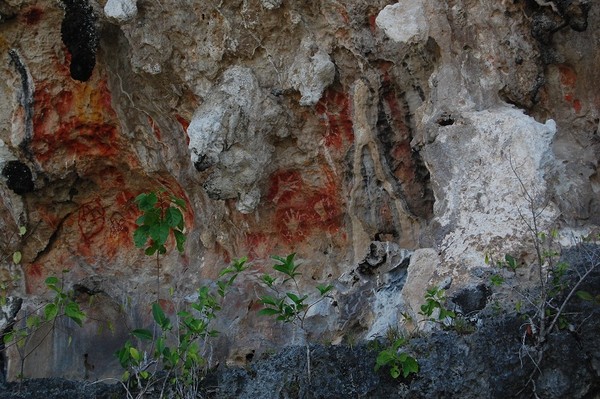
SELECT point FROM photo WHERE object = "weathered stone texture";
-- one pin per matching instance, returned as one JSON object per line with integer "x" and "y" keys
{"x": 320, "y": 127}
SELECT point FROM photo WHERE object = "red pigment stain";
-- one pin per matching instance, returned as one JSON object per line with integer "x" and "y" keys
{"x": 34, "y": 275}
{"x": 334, "y": 111}
{"x": 302, "y": 210}
{"x": 372, "y": 22}
{"x": 284, "y": 186}
{"x": 74, "y": 121}
{"x": 568, "y": 77}
{"x": 155, "y": 128}
{"x": 182, "y": 121}
{"x": 184, "y": 124}
{"x": 77, "y": 139}
{"x": 91, "y": 219}
{"x": 34, "y": 270}
{"x": 575, "y": 103}
{"x": 167, "y": 306}
{"x": 33, "y": 15}
{"x": 125, "y": 199}
{"x": 258, "y": 246}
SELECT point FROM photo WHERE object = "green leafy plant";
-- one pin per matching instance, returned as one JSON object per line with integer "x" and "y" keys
{"x": 289, "y": 306}
{"x": 161, "y": 216}
{"x": 434, "y": 301}
{"x": 178, "y": 349}
{"x": 12, "y": 277}
{"x": 399, "y": 362}
{"x": 174, "y": 351}
{"x": 62, "y": 305}
{"x": 286, "y": 303}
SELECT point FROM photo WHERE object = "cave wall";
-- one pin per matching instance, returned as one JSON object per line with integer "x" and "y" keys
{"x": 381, "y": 141}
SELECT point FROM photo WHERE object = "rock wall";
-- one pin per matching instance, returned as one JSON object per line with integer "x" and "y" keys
{"x": 383, "y": 142}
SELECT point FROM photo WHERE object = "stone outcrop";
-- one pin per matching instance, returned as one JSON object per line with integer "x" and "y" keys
{"x": 387, "y": 143}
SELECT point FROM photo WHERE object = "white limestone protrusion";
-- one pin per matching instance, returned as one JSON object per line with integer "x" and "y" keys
{"x": 404, "y": 22}
{"x": 121, "y": 10}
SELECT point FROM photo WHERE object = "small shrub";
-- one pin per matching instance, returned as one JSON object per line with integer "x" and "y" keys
{"x": 398, "y": 362}
{"x": 434, "y": 301}
{"x": 288, "y": 306}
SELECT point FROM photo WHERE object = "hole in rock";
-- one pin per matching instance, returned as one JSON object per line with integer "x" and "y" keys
{"x": 445, "y": 120}
{"x": 472, "y": 299}
{"x": 20, "y": 179}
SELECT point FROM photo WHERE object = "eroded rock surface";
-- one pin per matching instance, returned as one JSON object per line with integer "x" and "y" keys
{"x": 320, "y": 127}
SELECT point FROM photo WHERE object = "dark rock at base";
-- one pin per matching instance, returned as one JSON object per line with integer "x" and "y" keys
{"x": 490, "y": 363}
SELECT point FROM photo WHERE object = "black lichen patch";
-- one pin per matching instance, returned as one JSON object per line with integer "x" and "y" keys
{"x": 19, "y": 176}
{"x": 80, "y": 36}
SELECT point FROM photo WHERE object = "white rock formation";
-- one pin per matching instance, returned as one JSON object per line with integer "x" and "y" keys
{"x": 228, "y": 136}
{"x": 476, "y": 180}
{"x": 121, "y": 10}
{"x": 311, "y": 72}
{"x": 404, "y": 22}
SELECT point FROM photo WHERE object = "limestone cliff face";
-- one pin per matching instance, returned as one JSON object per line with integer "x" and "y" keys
{"x": 356, "y": 133}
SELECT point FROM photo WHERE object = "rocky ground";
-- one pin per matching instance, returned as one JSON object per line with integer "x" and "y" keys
{"x": 488, "y": 363}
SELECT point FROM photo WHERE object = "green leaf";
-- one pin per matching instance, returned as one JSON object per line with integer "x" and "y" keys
{"x": 160, "y": 345}
{"x": 17, "y": 257}
{"x": 496, "y": 279}
{"x": 173, "y": 217}
{"x": 159, "y": 316}
{"x": 140, "y": 221}
{"x": 22, "y": 230}
{"x": 8, "y": 337}
{"x": 410, "y": 365}
{"x": 179, "y": 202}
{"x": 222, "y": 288}
{"x": 267, "y": 279}
{"x": 395, "y": 371}
{"x": 151, "y": 250}
{"x": 179, "y": 240}
{"x": 140, "y": 236}
{"x": 142, "y": 334}
{"x": 123, "y": 354}
{"x": 268, "y": 312}
{"x": 73, "y": 312}
{"x": 269, "y": 300}
{"x": 152, "y": 216}
{"x": 511, "y": 262}
{"x": 324, "y": 289}
{"x": 135, "y": 354}
{"x": 159, "y": 233}
{"x": 51, "y": 280}
{"x": 287, "y": 265}
{"x": 384, "y": 357}
{"x": 50, "y": 311}
{"x": 295, "y": 298}
{"x": 32, "y": 322}
{"x": 145, "y": 201}
{"x": 586, "y": 296}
